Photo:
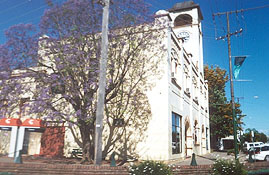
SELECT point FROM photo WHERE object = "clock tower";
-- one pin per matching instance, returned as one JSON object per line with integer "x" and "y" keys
{"x": 186, "y": 22}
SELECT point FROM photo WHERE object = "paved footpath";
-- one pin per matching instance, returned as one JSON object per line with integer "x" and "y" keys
{"x": 209, "y": 158}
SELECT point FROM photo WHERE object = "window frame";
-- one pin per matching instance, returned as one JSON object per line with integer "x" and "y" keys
{"x": 176, "y": 133}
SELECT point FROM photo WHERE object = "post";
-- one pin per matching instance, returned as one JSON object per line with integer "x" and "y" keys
{"x": 102, "y": 85}
{"x": 232, "y": 87}
{"x": 252, "y": 136}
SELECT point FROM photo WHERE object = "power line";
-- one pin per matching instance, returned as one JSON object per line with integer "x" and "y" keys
{"x": 17, "y": 5}
{"x": 11, "y": 19}
{"x": 16, "y": 17}
{"x": 241, "y": 10}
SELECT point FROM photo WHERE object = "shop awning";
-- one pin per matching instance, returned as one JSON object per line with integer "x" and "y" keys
{"x": 33, "y": 123}
{"x": 10, "y": 122}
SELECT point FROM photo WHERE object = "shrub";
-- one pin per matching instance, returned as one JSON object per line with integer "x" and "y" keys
{"x": 228, "y": 167}
{"x": 230, "y": 151}
{"x": 150, "y": 167}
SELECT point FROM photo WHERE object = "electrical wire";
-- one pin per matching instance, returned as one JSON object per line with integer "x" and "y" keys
{"x": 15, "y": 6}
{"x": 25, "y": 14}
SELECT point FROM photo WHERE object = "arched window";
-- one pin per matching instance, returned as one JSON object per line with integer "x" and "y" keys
{"x": 196, "y": 132}
{"x": 174, "y": 62}
{"x": 195, "y": 86}
{"x": 174, "y": 54}
{"x": 186, "y": 78}
{"x": 183, "y": 20}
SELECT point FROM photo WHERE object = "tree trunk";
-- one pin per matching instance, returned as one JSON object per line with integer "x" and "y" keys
{"x": 86, "y": 131}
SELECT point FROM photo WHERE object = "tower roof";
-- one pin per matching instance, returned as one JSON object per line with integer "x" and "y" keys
{"x": 186, "y": 5}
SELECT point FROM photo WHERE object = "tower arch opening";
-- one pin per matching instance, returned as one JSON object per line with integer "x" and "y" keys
{"x": 182, "y": 20}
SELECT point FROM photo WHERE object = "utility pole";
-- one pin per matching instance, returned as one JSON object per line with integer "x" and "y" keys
{"x": 232, "y": 86}
{"x": 102, "y": 85}
{"x": 228, "y": 36}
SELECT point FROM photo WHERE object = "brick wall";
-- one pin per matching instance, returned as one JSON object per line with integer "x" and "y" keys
{"x": 52, "y": 141}
{"x": 192, "y": 170}
{"x": 50, "y": 169}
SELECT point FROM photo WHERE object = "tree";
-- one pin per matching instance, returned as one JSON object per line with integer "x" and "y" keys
{"x": 16, "y": 54}
{"x": 258, "y": 136}
{"x": 66, "y": 73}
{"x": 220, "y": 110}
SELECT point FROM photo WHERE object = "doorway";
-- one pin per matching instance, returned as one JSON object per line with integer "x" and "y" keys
{"x": 188, "y": 139}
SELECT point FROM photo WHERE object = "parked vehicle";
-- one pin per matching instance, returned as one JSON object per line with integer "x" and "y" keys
{"x": 248, "y": 146}
{"x": 261, "y": 152}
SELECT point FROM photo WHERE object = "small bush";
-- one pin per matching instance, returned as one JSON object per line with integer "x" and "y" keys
{"x": 228, "y": 167}
{"x": 230, "y": 151}
{"x": 150, "y": 167}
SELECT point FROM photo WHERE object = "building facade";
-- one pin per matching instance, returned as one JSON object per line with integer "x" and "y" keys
{"x": 179, "y": 101}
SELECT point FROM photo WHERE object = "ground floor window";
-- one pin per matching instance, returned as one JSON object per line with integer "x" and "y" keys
{"x": 176, "y": 133}
{"x": 206, "y": 132}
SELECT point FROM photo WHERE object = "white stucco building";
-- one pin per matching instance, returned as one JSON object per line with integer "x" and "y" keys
{"x": 179, "y": 101}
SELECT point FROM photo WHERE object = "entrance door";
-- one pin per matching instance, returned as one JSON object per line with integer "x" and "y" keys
{"x": 188, "y": 140}
{"x": 31, "y": 143}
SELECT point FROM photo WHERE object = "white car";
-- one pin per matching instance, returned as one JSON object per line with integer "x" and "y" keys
{"x": 248, "y": 146}
{"x": 261, "y": 153}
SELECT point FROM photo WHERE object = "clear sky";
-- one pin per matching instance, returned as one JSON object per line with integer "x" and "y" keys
{"x": 253, "y": 95}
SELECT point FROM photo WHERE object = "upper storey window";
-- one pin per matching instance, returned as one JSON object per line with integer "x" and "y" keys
{"x": 182, "y": 20}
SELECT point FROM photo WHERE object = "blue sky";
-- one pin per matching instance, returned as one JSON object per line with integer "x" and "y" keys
{"x": 253, "y": 41}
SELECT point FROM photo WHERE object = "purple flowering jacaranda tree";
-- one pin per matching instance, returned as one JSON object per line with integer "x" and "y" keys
{"x": 62, "y": 70}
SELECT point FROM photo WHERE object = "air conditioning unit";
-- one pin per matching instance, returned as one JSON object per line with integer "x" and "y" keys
{"x": 188, "y": 90}
{"x": 196, "y": 98}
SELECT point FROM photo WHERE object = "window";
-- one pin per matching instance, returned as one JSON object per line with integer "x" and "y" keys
{"x": 201, "y": 89}
{"x": 195, "y": 86}
{"x": 118, "y": 122}
{"x": 174, "y": 63}
{"x": 182, "y": 20}
{"x": 206, "y": 132}
{"x": 196, "y": 133}
{"x": 24, "y": 107}
{"x": 265, "y": 148}
{"x": 176, "y": 134}
{"x": 3, "y": 107}
{"x": 186, "y": 78}
{"x": 58, "y": 86}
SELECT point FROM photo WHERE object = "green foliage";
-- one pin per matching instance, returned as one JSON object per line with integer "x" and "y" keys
{"x": 150, "y": 167}
{"x": 258, "y": 136}
{"x": 230, "y": 151}
{"x": 220, "y": 109}
{"x": 228, "y": 167}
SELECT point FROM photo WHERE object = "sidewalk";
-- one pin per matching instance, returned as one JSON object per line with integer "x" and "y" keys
{"x": 207, "y": 159}
{"x": 210, "y": 158}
